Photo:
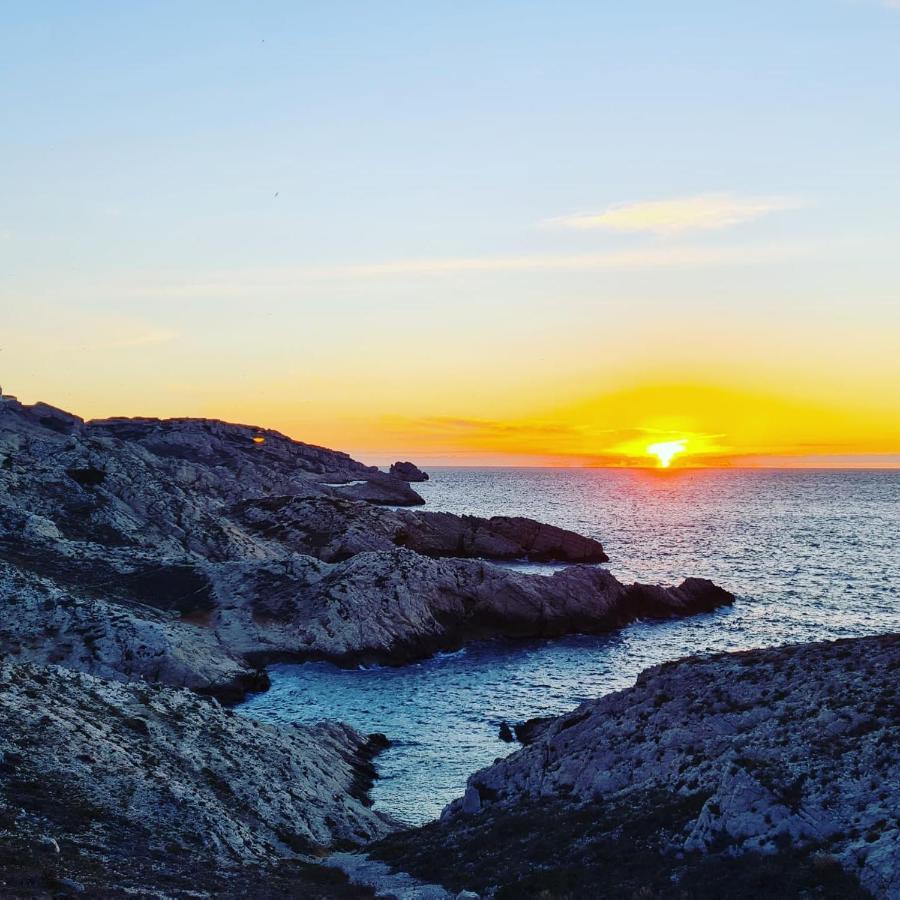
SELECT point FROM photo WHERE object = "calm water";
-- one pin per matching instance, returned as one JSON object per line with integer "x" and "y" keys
{"x": 809, "y": 555}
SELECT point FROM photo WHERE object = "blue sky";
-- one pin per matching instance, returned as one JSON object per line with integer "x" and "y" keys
{"x": 197, "y": 198}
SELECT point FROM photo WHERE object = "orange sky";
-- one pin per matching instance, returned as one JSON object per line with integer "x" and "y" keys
{"x": 464, "y": 234}
{"x": 478, "y": 390}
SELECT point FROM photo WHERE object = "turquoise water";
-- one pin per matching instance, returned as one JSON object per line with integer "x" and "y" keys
{"x": 809, "y": 554}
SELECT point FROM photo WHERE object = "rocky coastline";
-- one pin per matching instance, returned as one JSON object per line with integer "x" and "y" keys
{"x": 194, "y": 552}
{"x": 770, "y": 773}
{"x": 150, "y": 570}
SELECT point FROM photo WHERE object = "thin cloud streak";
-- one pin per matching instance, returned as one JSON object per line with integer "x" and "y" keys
{"x": 704, "y": 212}
{"x": 490, "y": 427}
{"x": 629, "y": 259}
{"x": 285, "y": 280}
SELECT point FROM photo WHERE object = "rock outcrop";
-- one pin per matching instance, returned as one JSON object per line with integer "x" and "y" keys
{"x": 398, "y": 606}
{"x": 408, "y": 471}
{"x": 126, "y": 786}
{"x": 782, "y": 761}
{"x": 192, "y": 552}
{"x": 335, "y": 529}
{"x": 381, "y": 489}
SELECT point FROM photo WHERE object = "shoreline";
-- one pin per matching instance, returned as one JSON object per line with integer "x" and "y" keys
{"x": 140, "y": 557}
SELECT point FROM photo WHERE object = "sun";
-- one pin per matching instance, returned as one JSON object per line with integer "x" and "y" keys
{"x": 664, "y": 451}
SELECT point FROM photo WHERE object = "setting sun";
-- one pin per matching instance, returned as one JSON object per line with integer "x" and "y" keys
{"x": 664, "y": 451}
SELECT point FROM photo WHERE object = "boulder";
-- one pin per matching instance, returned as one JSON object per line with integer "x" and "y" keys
{"x": 383, "y": 490}
{"x": 408, "y": 471}
{"x": 529, "y": 731}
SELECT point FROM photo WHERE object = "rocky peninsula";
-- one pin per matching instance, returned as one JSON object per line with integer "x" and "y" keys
{"x": 193, "y": 552}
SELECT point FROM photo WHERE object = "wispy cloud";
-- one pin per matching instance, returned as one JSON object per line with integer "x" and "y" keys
{"x": 491, "y": 427}
{"x": 289, "y": 279}
{"x": 704, "y": 212}
{"x": 633, "y": 259}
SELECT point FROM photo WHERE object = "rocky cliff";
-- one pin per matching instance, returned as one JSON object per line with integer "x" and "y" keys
{"x": 191, "y": 552}
{"x": 764, "y": 773}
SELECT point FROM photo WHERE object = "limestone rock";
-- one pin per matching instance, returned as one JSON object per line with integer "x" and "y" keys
{"x": 397, "y": 606}
{"x": 471, "y": 802}
{"x": 499, "y": 537}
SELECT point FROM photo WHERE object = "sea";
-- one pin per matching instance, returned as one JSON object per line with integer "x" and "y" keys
{"x": 809, "y": 554}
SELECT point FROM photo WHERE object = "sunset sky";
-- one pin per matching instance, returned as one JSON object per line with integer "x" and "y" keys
{"x": 466, "y": 233}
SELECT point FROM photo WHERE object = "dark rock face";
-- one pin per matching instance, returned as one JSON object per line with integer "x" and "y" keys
{"x": 206, "y": 550}
{"x": 86, "y": 477}
{"x": 333, "y": 530}
{"x": 788, "y": 758}
{"x": 696, "y": 594}
{"x": 383, "y": 490}
{"x": 408, "y": 471}
{"x": 500, "y": 537}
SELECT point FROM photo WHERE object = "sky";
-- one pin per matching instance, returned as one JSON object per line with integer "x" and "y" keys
{"x": 492, "y": 233}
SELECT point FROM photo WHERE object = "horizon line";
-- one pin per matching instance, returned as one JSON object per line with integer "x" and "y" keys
{"x": 895, "y": 468}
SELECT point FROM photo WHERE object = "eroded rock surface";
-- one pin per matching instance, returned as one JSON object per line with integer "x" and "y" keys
{"x": 786, "y": 758}
{"x": 192, "y": 551}
{"x": 121, "y": 785}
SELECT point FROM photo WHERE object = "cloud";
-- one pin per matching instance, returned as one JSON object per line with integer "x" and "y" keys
{"x": 633, "y": 259}
{"x": 680, "y": 256}
{"x": 704, "y": 212}
{"x": 491, "y": 427}
{"x": 289, "y": 279}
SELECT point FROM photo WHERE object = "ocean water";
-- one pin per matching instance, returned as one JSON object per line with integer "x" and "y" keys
{"x": 809, "y": 554}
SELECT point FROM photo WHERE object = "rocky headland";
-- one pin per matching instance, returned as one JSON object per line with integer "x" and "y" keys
{"x": 770, "y": 773}
{"x": 193, "y": 552}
